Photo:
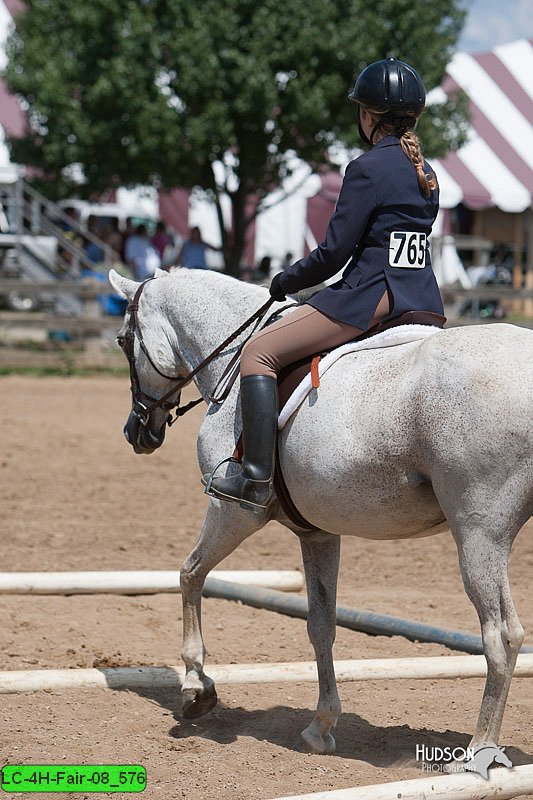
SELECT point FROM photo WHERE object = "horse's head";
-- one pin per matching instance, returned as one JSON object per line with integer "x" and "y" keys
{"x": 502, "y": 758}
{"x": 148, "y": 342}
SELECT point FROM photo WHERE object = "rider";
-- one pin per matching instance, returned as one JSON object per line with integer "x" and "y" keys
{"x": 387, "y": 204}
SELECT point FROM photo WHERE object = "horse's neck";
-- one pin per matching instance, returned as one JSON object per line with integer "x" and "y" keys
{"x": 205, "y": 309}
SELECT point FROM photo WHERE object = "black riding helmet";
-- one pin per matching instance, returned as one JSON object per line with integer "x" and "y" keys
{"x": 392, "y": 88}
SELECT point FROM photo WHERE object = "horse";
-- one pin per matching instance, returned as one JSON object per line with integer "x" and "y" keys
{"x": 399, "y": 442}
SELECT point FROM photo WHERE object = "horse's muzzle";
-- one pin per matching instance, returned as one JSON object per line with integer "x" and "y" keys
{"x": 143, "y": 440}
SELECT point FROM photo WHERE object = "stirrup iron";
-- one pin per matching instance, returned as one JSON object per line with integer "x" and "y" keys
{"x": 247, "y": 505}
{"x": 207, "y": 478}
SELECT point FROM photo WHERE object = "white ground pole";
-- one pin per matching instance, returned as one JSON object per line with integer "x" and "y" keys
{"x": 370, "y": 669}
{"x": 502, "y": 783}
{"x": 137, "y": 581}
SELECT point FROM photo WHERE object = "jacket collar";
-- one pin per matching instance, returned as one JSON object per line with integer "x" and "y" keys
{"x": 387, "y": 141}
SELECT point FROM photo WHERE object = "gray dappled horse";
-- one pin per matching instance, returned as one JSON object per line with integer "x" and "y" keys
{"x": 401, "y": 442}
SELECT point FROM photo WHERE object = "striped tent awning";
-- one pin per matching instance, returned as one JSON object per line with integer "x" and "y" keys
{"x": 495, "y": 166}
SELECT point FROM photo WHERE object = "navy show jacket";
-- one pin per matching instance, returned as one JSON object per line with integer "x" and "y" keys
{"x": 380, "y": 226}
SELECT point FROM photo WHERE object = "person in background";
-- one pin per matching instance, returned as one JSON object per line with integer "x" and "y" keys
{"x": 64, "y": 252}
{"x": 140, "y": 255}
{"x": 193, "y": 252}
{"x": 92, "y": 250}
{"x": 128, "y": 231}
{"x": 287, "y": 261}
{"x": 113, "y": 238}
{"x": 161, "y": 240}
{"x": 110, "y": 303}
{"x": 262, "y": 273}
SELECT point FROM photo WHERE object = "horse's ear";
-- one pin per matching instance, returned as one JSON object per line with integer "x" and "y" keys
{"x": 123, "y": 286}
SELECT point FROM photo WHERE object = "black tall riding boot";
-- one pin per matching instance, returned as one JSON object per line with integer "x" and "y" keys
{"x": 253, "y": 486}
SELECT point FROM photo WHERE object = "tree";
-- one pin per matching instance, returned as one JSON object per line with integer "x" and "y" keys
{"x": 199, "y": 93}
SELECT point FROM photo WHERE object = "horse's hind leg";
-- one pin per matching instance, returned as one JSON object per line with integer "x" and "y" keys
{"x": 483, "y": 556}
{"x": 225, "y": 527}
{"x": 320, "y": 553}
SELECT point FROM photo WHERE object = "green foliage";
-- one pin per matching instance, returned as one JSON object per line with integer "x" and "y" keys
{"x": 137, "y": 91}
{"x": 86, "y": 71}
{"x": 442, "y": 129}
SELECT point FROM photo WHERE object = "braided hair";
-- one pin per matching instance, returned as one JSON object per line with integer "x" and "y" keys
{"x": 404, "y": 128}
{"x": 411, "y": 147}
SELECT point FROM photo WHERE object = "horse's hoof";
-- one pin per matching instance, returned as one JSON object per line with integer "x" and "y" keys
{"x": 197, "y": 703}
{"x": 317, "y": 744}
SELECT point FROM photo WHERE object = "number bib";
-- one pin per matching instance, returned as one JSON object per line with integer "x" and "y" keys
{"x": 407, "y": 249}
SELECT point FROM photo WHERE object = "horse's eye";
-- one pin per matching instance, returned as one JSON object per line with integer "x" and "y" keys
{"x": 120, "y": 341}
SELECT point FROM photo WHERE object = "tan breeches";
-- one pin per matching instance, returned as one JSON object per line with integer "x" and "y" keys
{"x": 301, "y": 333}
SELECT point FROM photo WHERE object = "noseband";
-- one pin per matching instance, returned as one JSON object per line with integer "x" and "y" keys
{"x": 143, "y": 405}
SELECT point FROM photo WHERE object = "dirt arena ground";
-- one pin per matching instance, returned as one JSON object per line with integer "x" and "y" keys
{"x": 74, "y": 496}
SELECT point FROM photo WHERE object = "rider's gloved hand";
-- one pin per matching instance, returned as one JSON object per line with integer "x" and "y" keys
{"x": 276, "y": 292}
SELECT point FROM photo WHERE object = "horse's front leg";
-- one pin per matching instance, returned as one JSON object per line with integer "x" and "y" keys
{"x": 320, "y": 553}
{"x": 224, "y": 528}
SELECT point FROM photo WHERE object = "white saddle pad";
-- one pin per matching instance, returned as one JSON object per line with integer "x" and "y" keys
{"x": 401, "y": 334}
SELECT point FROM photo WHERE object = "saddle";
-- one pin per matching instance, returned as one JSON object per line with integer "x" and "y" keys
{"x": 290, "y": 378}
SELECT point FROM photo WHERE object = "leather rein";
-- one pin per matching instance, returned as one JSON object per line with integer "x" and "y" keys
{"x": 142, "y": 403}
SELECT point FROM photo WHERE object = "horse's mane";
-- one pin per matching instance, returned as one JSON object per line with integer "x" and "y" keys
{"x": 217, "y": 281}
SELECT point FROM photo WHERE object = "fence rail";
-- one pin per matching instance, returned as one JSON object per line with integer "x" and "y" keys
{"x": 84, "y": 288}
{"x": 92, "y": 330}
{"x": 489, "y": 291}
{"x": 87, "y": 337}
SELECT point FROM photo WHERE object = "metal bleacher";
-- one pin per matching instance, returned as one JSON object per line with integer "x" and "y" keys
{"x": 40, "y": 243}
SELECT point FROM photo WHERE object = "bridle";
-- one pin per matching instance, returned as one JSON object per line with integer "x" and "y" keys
{"x": 143, "y": 404}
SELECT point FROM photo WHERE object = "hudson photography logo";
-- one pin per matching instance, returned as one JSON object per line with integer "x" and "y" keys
{"x": 476, "y": 759}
